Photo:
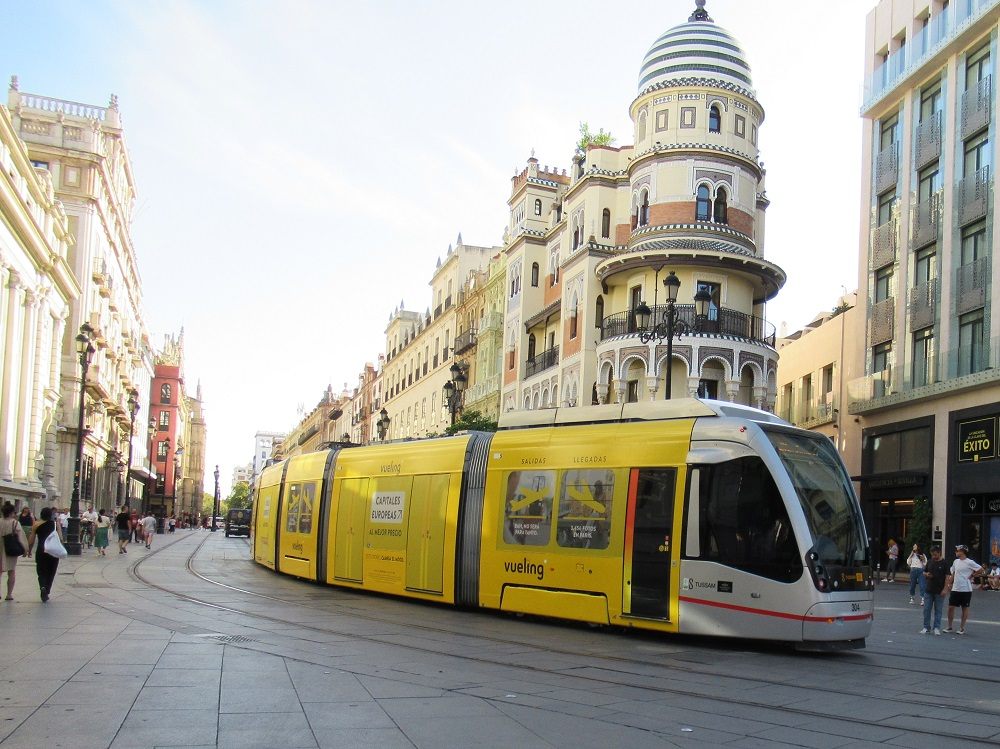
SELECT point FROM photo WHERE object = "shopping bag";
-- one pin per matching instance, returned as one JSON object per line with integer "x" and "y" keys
{"x": 53, "y": 546}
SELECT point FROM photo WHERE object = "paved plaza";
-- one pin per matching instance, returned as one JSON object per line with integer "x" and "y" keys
{"x": 112, "y": 661}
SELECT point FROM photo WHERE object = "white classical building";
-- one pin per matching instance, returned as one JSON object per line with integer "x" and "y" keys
{"x": 82, "y": 150}
{"x": 37, "y": 289}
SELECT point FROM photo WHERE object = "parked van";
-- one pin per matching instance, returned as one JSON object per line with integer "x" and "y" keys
{"x": 238, "y": 523}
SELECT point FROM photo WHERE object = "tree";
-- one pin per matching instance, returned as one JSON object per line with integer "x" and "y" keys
{"x": 239, "y": 497}
{"x": 920, "y": 524}
{"x": 207, "y": 503}
{"x": 587, "y": 138}
{"x": 472, "y": 420}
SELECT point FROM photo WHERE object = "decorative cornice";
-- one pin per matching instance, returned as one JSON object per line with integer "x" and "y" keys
{"x": 695, "y": 81}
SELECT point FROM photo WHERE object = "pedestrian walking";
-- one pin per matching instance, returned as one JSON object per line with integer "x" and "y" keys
{"x": 101, "y": 540}
{"x": 936, "y": 573}
{"x": 149, "y": 529}
{"x": 916, "y": 562}
{"x": 13, "y": 534}
{"x": 26, "y": 519}
{"x": 893, "y": 553}
{"x": 962, "y": 571}
{"x": 171, "y": 523}
{"x": 45, "y": 564}
{"x": 123, "y": 526}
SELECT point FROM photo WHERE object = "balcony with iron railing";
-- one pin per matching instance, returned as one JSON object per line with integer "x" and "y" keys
{"x": 540, "y": 362}
{"x": 921, "y": 304}
{"x": 465, "y": 340}
{"x": 971, "y": 283}
{"x": 882, "y": 321}
{"x": 925, "y": 221}
{"x": 721, "y": 322}
{"x": 927, "y": 141}
{"x": 810, "y": 415}
{"x": 886, "y": 168}
{"x": 884, "y": 241}
{"x": 492, "y": 321}
{"x": 976, "y": 105}
{"x": 972, "y": 365}
{"x": 939, "y": 31}
{"x": 973, "y": 196}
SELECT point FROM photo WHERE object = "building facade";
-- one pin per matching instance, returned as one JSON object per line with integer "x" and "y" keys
{"x": 37, "y": 290}
{"x": 83, "y": 149}
{"x": 930, "y": 394}
{"x": 263, "y": 448}
{"x": 817, "y": 365}
{"x": 483, "y": 394}
{"x": 586, "y": 250}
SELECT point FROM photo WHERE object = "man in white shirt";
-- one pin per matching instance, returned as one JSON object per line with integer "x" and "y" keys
{"x": 149, "y": 528}
{"x": 88, "y": 522}
{"x": 963, "y": 570}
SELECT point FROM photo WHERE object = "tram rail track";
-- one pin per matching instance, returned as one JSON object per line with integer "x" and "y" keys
{"x": 609, "y": 669}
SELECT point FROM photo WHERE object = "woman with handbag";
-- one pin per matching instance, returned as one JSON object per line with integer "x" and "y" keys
{"x": 15, "y": 545}
{"x": 45, "y": 563}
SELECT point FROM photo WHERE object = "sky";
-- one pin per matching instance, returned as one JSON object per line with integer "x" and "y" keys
{"x": 301, "y": 166}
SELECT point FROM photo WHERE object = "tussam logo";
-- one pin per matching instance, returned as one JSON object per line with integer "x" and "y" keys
{"x": 524, "y": 567}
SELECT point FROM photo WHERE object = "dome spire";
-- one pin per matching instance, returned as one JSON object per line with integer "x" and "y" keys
{"x": 700, "y": 14}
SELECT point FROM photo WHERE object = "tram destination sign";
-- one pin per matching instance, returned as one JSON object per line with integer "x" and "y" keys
{"x": 977, "y": 440}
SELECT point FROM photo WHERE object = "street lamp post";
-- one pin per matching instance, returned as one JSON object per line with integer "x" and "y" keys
{"x": 133, "y": 408}
{"x": 671, "y": 325}
{"x": 148, "y": 503}
{"x": 453, "y": 391}
{"x": 382, "y": 425}
{"x": 215, "y": 509}
{"x": 85, "y": 348}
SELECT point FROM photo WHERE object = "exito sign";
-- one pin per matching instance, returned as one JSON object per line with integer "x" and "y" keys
{"x": 977, "y": 440}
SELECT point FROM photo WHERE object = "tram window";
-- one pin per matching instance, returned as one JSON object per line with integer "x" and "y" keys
{"x": 744, "y": 523}
{"x": 300, "y": 506}
{"x": 528, "y": 507}
{"x": 585, "y": 509}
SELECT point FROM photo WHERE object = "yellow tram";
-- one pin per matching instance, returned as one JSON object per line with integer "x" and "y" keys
{"x": 679, "y": 516}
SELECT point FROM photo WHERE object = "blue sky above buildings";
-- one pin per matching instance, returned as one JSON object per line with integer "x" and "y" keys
{"x": 301, "y": 165}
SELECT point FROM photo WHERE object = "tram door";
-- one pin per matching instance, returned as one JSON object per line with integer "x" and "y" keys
{"x": 648, "y": 528}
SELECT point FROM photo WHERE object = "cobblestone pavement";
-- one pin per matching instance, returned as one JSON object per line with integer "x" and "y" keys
{"x": 112, "y": 661}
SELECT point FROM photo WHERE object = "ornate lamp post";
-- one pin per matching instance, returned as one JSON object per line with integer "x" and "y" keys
{"x": 453, "y": 390}
{"x": 671, "y": 324}
{"x": 215, "y": 509}
{"x": 382, "y": 425}
{"x": 85, "y": 349}
{"x": 133, "y": 409}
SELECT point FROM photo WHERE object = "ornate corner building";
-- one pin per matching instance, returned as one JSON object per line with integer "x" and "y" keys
{"x": 586, "y": 249}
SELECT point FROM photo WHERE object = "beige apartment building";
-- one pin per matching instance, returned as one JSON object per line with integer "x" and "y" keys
{"x": 588, "y": 250}
{"x": 929, "y": 397}
{"x": 37, "y": 288}
{"x": 82, "y": 148}
{"x": 816, "y": 367}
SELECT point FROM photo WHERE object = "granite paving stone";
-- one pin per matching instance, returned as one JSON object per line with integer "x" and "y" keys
{"x": 167, "y": 728}
{"x": 265, "y": 731}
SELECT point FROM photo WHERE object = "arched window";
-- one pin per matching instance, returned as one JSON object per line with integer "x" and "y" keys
{"x": 719, "y": 213}
{"x": 599, "y": 312}
{"x": 606, "y": 223}
{"x": 572, "y": 325}
{"x": 538, "y": 207}
{"x": 534, "y": 274}
{"x": 714, "y": 120}
{"x": 641, "y": 130}
{"x": 531, "y": 347}
{"x": 165, "y": 393}
{"x": 644, "y": 209}
{"x": 703, "y": 211}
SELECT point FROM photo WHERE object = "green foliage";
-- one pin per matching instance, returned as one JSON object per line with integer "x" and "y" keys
{"x": 472, "y": 420}
{"x": 920, "y": 525}
{"x": 587, "y": 138}
{"x": 239, "y": 497}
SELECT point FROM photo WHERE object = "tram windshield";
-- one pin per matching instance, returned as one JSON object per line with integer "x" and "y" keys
{"x": 826, "y": 497}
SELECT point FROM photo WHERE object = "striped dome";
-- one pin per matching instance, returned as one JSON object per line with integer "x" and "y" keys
{"x": 696, "y": 49}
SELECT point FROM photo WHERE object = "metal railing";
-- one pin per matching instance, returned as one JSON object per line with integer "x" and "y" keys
{"x": 886, "y": 168}
{"x": 884, "y": 243}
{"x": 545, "y": 360}
{"x": 922, "y": 304}
{"x": 721, "y": 321}
{"x": 881, "y": 321}
{"x": 971, "y": 282}
{"x": 927, "y": 141}
{"x": 925, "y": 223}
{"x": 974, "y": 196}
{"x": 465, "y": 340}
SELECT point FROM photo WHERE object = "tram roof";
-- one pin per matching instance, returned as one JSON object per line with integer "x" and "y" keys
{"x": 676, "y": 408}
